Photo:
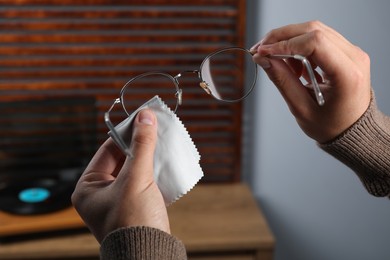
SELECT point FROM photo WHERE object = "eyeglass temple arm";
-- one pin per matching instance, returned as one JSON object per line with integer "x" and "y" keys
{"x": 117, "y": 138}
{"x": 306, "y": 63}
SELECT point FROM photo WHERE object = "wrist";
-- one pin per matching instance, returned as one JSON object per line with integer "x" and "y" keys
{"x": 364, "y": 148}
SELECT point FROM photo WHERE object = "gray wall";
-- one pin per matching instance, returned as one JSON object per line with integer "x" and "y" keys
{"x": 316, "y": 207}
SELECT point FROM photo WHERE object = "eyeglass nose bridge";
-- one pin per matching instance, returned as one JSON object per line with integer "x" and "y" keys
{"x": 203, "y": 84}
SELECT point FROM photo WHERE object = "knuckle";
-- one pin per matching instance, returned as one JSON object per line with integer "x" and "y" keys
{"x": 145, "y": 137}
{"x": 357, "y": 77}
{"x": 75, "y": 199}
{"x": 285, "y": 46}
{"x": 317, "y": 37}
{"x": 364, "y": 57}
{"x": 314, "y": 25}
{"x": 360, "y": 74}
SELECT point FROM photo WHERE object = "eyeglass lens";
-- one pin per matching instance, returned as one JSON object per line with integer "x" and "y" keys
{"x": 145, "y": 86}
{"x": 230, "y": 74}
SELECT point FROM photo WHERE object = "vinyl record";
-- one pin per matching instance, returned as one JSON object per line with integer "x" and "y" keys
{"x": 36, "y": 196}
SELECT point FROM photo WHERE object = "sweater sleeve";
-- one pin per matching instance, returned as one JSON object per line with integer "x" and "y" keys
{"x": 365, "y": 148}
{"x": 132, "y": 243}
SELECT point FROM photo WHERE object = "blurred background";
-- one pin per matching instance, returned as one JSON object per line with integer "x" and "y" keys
{"x": 316, "y": 207}
{"x": 62, "y": 64}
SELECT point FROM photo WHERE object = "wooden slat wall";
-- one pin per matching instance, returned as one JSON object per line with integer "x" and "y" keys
{"x": 46, "y": 136}
{"x": 55, "y": 49}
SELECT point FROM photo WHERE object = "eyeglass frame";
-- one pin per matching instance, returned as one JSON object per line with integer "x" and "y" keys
{"x": 306, "y": 63}
{"x": 124, "y": 147}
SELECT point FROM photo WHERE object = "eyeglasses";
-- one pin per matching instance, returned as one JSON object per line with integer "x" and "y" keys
{"x": 221, "y": 75}
{"x": 306, "y": 63}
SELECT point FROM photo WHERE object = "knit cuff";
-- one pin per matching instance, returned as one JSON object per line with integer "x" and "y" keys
{"x": 141, "y": 243}
{"x": 364, "y": 147}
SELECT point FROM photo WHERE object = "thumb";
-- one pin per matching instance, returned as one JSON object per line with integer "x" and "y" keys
{"x": 143, "y": 143}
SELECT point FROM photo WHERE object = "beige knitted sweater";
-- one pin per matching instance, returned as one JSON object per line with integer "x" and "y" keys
{"x": 364, "y": 147}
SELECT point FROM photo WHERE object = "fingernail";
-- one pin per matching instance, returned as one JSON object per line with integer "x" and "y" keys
{"x": 146, "y": 117}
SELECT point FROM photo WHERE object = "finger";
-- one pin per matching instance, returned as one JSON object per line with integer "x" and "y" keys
{"x": 296, "y": 66}
{"x": 317, "y": 73}
{"x": 139, "y": 169}
{"x": 288, "y": 32}
{"x": 316, "y": 45}
{"x": 285, "y": 33}
{"x": 289, "y": 85}
{"x": 105, "y": 162}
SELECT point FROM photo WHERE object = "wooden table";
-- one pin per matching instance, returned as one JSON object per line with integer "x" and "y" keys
{"x": 219, "y": 221}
